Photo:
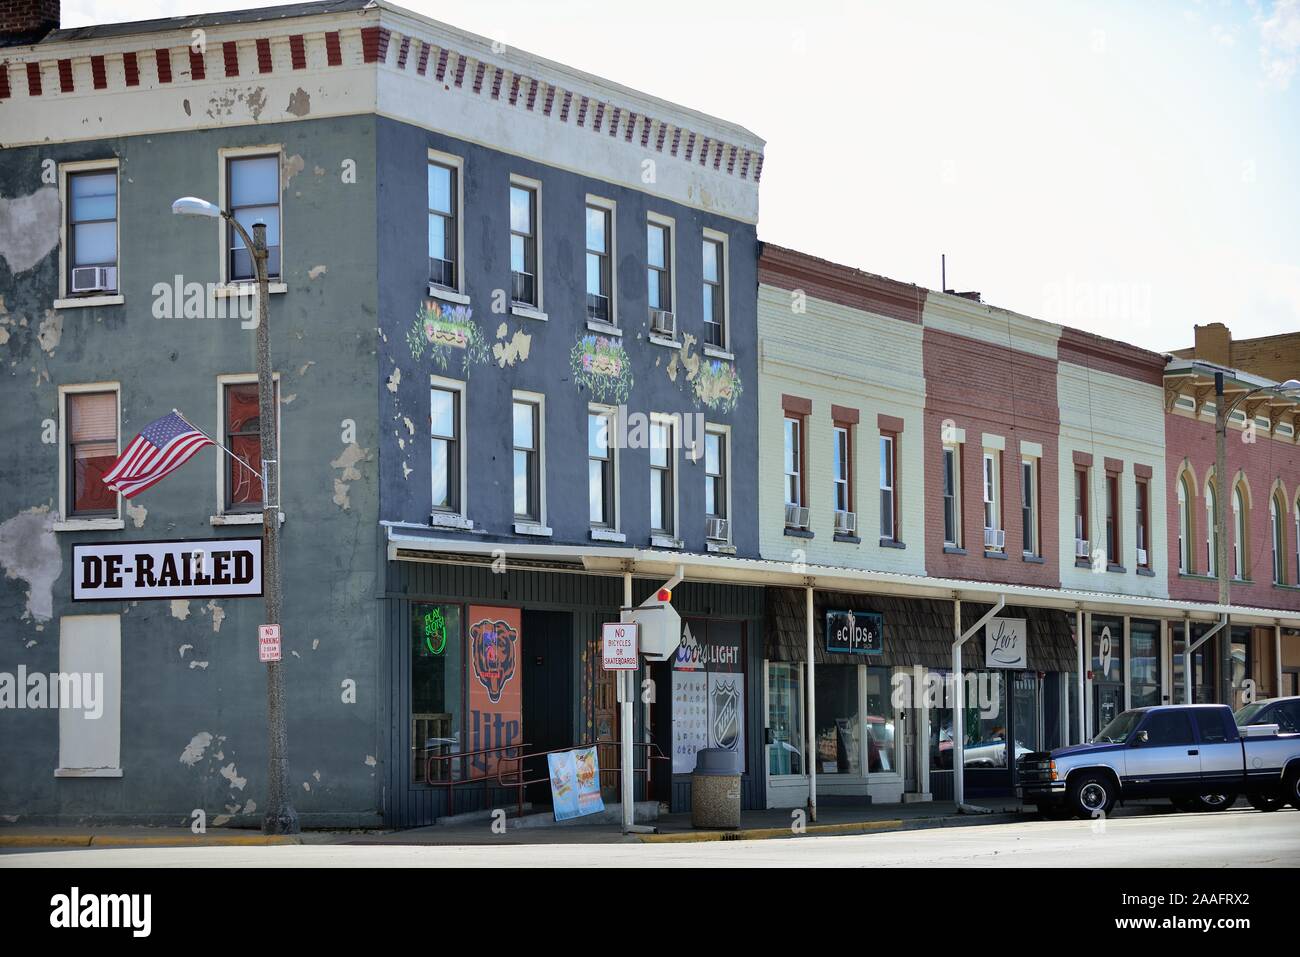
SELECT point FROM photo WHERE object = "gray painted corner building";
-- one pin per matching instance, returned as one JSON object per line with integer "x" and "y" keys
{"x": 485, "y": 262}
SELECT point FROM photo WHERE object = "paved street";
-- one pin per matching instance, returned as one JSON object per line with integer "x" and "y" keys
{"x": 1237, "y": 838}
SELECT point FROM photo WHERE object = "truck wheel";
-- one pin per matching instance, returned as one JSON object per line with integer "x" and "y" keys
{"x": 1213, "y": 802}
{"x": 1291, "y": 789}
{"x": 1182, "y": 803}
{"x": 1092, "y": 795}
{"x": 1266, "y": 802}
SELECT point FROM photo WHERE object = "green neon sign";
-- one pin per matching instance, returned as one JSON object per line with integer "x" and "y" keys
{"x": 435, "y": 630}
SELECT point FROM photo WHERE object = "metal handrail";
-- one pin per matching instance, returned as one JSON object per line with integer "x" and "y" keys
{"x": 523, "y": 782}
{"x": 451, "y": 781}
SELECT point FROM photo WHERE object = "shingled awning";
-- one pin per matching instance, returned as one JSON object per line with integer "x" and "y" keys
{"x": 918, "y": 631}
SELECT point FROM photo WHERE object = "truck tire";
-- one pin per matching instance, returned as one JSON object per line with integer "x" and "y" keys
{"x": 1213, "y": 802}
{"x": 1182, "y": 803}
{"x": 1291, "y": 788}
{"x": 1266, "y": 802}
{"x": 1092, "y": 795}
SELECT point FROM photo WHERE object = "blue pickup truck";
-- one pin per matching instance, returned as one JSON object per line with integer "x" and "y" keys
{"x": 1195, "y": 755}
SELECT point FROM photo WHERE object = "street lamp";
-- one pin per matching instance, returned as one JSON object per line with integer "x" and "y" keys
{"x": 279, "y": 817}
{"x": 1222, "y": 412}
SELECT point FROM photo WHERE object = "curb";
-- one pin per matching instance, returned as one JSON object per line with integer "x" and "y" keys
{"x": 852, "y": 827}
{"x": 126, "y": 840}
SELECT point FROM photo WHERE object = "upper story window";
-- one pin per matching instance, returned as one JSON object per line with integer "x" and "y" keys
{"x": 662, "y": 481}
{"x": 1239, "y": 534}
{"x": 994, "y": 538}
{"x": 842, "y": 469}
{"x": 600, "y": 280}
{"x": 888, "y": 488}
{"x": 241, "y": 430}
{"x": 1295, "y": 540}
{"x": 659, "y": 274}
{"x": 1029, "y": 505}
{"x": 1142, "y": 522}
{"x": 952, "y": 496}
{"x": 1211, "y": 530}
{"x": 715, "y": 473}
{"x": 793, "y": 461}
{"x": 715, "y": 299}
{"x": 1276, "y": 511}
{"x": 524, "y": 284}
{"x": 602, "y": 489}
{"x": 253, "y": 188}
{"x": 445, "y": 443}
{"x": 91, "y": 449}
{"x": 1112, "y": 519}
{"x": 1185, "y": 525}
{"x": 91, "y": 229}
{"x": 527, "y": 452}
{"x": 444, "y": 228}
{"x": 1082, "y": 545}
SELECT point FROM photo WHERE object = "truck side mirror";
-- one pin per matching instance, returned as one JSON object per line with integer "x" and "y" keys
{"x": 1141, "y": 738}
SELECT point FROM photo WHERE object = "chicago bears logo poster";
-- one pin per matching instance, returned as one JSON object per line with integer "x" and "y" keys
{"x": 495, "y": 714}
{"x": 493, "y": 653}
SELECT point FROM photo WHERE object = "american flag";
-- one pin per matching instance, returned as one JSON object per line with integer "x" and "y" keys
{"x": 163, "y": 447}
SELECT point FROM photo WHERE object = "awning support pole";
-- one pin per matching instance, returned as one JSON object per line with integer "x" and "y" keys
{"x": 1189, "y": 647}
{"x": 810, "y": 748}
{"x": 1083, "y": 674}
{"x": 959, "y": 701}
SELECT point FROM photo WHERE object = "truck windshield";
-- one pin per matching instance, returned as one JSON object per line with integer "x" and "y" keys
{"x": 1247, "y": 714}
{"x": 1117, "y": 731}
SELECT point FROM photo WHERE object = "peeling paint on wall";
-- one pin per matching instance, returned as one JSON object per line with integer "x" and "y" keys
{"x": 315, "y": 272}
{"x": 51, "y": 331}
{"x": 394, "y": 380}
{"x": 184, "y": 648}
{"x": 231, "y": 775}
{"x": 30, "y": 551}
{"x": 347, "y": 462}
{"x": 138, "y": 514}
{"x": 193, "y": 752}
{"x": 29, "y": 228}
{"x": 180, "y": 608}
{"x": 299, "y": 103}
{"x": 516, "y": 350}
{"x": 302, "y": 369}
{"x": 218, "y": 614}
{"x": 293, "y": 165}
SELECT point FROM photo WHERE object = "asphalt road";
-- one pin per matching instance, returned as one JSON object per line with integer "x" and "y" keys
{"x": 1236, "y": 838}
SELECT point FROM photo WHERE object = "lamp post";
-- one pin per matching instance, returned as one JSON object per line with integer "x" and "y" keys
{"x": 279, "y": 816}
{"x": 1222, "y": 412}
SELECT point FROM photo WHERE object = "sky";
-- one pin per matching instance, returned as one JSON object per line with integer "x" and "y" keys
{"x": 1128, "y": 169}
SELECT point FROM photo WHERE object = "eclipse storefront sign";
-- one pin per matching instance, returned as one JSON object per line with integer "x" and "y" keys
{"x": 196, "y": 568}
{"x": 855, "y": 632}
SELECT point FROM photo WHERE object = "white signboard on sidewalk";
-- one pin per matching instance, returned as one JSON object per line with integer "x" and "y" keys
{"x": 619, "y": 646}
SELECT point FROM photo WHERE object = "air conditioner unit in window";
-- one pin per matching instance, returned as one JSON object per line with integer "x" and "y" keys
{"x": 1081, "y": 548}
{"x": 94, "y": 279}
{"x": 995, "y": 539}
{"x": 796, "y": 516}
{"x": 663, "y": 323}
{"x": 717, "y": 529}
{"x": 1142, "y": 557}
{"x": 846, "y": 523}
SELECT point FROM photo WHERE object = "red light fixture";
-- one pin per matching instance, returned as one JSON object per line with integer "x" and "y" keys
{"x": 665, "y": 595}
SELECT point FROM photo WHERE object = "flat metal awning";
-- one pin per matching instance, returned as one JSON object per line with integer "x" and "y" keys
{"x": 410, "y": 542}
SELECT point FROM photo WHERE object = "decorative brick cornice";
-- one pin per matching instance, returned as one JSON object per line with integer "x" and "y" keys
{"x": 789, "y": 269}
{"x": 1106, "y": 355}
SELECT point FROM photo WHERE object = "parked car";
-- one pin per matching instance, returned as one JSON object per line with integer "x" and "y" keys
{"x": 1193, "y": 754}
{"x": 1283, "y": 712}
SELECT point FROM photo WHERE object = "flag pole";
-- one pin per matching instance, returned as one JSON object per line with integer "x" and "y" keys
{"x": 217, "y": 444}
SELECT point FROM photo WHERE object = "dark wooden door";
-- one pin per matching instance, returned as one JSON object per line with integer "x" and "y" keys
{"x": 548, "y": 691}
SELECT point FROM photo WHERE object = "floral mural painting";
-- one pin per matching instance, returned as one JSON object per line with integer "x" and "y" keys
{"x": 711, "y": 382}
{"x": 439, "y": 329}
{"x": 600, "y": 364}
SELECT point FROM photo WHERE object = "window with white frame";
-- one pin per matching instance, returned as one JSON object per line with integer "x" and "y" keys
{"x": 1112, "y": 519}
{"x": 601, "y": 483}
{"x": 524, "y": 263}
{"x": 992, "y": 514}
{"x": 91, "y": 447}
{"x": 714, "y": 288}
{"x": 793, "y": 460}
{"x": 1276, "y": 513}
{"x": 1184, "y": 527}
{"x": 1238, "y": 534}
{"x": 241, "y": 433}
{"x": 600, "y": 257}
{"x": 715, "y": 473}
{"x": 1295, "y": 540}
{"x": 527, "y": 457}
{"x": 659, "y": 265}
{"x": 952, "y": 496}
{"x": 663, "y": 453}
{"x": 1082, "y": 533}
{"x": 253, "y": 192}
{"x": 90, "y": 204}
{"x": 888, "y": 487}
{"x": 444, "y": 223}
{"x": 1142, "y": 522}
{"x": 445, "y": 446}
{"x": 1029, "y": 504}
{"x": 1211, "y": 530}
{"x": 842, "y": 469}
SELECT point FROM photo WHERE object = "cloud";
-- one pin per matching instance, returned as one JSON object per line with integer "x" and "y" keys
{"x": 1279, "y": 42}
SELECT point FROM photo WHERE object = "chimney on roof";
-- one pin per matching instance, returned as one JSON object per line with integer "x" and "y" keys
{"x": 27, "y": 21}
{"x": 1213, "y": 344}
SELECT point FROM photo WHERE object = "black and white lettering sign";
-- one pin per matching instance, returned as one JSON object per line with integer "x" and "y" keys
{"x": 197, "y": 568}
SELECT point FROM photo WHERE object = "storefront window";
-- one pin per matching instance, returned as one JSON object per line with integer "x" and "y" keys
{"x": 838, "y": 720}
{"x": 436, "y": 695}
{"x": 785, "y": 718}
{"x": 880, "y": 722}
{"x": 1202, "y": 665}
{"x": 1144, "y": 641}
{"x": 985, "y": 722}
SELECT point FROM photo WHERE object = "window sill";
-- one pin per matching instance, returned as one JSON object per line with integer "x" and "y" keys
{"x": 1198, "y": 578}
{"x": 713, "y": 352}
{"x": 89, "y": 525}
{"x": 448, "y": 295}
{"x": 666, "y": 343}
{"x": 451, "y": 520}
{"x": 233, "y": 289}
{"x": 240, "y": 518}
{"x": 720, "y": 548}
{"x": 1000, "y": 556}
{"x": 1033, "y": 559}
{"x": 1285, "y": 587}
{"x": 604, "y": 328}
{"x": 607, "y": 535}
{"x": 89, "y": 302}
{"x": 953, "y": 550}
{"x": 847, "y": 539}
{"x": 533, "y": 529}
{"x": 1119, "y": 569}
{"x": 665, "y": 541}
{"x": 891, "y": 543}
{"x": 1082, "y": 563}
{"x": 1146, "y": 573}
{"x": 528, "y": 312}
{"x": 87, "y": 772}
{"x": 798, "y": 532}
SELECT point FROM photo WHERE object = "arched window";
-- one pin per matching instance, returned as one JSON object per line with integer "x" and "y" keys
{"x": 1276, "y": 512}
{"x": 1238, "y": 534}
{"x": 1184, "y": 527}
{"x": 1211, "y": 531}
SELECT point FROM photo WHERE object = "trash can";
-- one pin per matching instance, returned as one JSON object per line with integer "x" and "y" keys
{"x": 715, "y": 789}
